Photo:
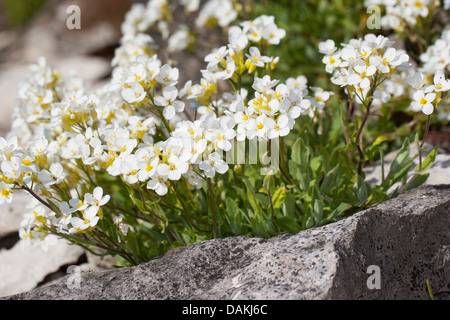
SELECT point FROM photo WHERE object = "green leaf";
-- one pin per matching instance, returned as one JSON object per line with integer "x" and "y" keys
{"x": 297, "y": 149}
{"x": 428, "y": 162}
{"x": 315, "y": 164}
{"x": 251, "y": 197}
{"x": 373, "y": 149}
{"x": 278, "y": 198}
{"x": 379, "y": 195}
{"x": 289, "y": 205}
{"x": 329, "y": 181}
{"x": 337, "y": 212}
{"x": 399, "y": 167}
{"x": 300, "y": 153}
{"x": 269, "y": 182}
{"x": 232, "y": 207}
{"x": 418, "y": 181}
{"x": 401, "y": 159}
{"x": 361, "y": 192}
{"x": 288, "y": 224}
{"x": 135, "y": 200}
{"x": 318, "y": 211}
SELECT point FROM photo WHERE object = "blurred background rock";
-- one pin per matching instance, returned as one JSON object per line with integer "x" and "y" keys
{"x": 33, "y": 28}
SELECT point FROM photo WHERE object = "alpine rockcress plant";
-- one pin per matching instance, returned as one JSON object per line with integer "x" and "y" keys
{"x": 126, "y": 169}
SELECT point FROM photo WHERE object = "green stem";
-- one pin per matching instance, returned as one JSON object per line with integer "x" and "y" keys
{"x": 427, "y": 129}
{"x": 185, "y": 209}
{"x": 213, "y": 208}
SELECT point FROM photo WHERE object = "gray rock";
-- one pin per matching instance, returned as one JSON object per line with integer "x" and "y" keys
{"x": 407, "y": 238}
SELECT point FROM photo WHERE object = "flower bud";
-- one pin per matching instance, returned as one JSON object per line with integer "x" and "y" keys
{"x": 237, "y": 168}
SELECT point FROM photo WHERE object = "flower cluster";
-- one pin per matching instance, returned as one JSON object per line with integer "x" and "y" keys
{"x": 399, "y": 13}
{"x": 135, "y": 128}
{"x": 155, "y": 14}
{"x": 28, "y": 168}
{"x": 427, "y": 97}
{"x": 363, "y": 65}
{"x": 436, "y": 58}
{"x": 214, "y": 12}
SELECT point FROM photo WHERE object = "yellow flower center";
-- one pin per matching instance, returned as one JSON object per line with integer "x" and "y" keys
{"x": 5, "y": 192}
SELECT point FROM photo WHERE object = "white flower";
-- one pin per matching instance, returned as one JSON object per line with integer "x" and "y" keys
{"x": 129, "y": 169}
{"x": 11, "y": 169}
{"x": 27, "y": 164}
{"x": 123, "y": 227}
{"x": 174, "y": 169}
{"x": 95, "y": 200}
{"x": 331, "y": 62}
{"x": 179, "y": 41}
{"x": 273, "y": 34}
{"x": 362, "y": 75}
{"x": 256, "y": 58}
{"x": 8, "y": 146}
{"x": 327, "y": 47}
{"x": 213, "y": 164}
{"x": 261, "y": 127}
{"x": 423, "y": 102}
{"x": 168, "y": 75}
{"x": 147, "y": 168}
{"x": 190, "y": 5}
{"x": 169, "y": 102}
{"x": 158, "y": 183}
{"x": 90, "y": 220}
{"x": 66, "y": 215}
{"x": 195, "y": 150}
{"x": 54, "y": 176}
{"x": 238, "y": 41}
{"x": 217, "y": 56}
{"x": 320, "y": 97}
{"x": 135, "y": 93}
{"x": 417, "y": 81}
{"x": 230, "y": 68}
{"x": 264, "y": 84}
{"x": 78, "y": 204}
{"x": 6, "y": 193}
{"x": 440, "y": 84}
{"x": 279, "y": 128}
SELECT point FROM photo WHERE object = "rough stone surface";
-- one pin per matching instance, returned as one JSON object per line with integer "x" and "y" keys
{"x": 407, "y": 238}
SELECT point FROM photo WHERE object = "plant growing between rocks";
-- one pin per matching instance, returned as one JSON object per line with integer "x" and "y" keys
{"x": 127, "y": 169}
